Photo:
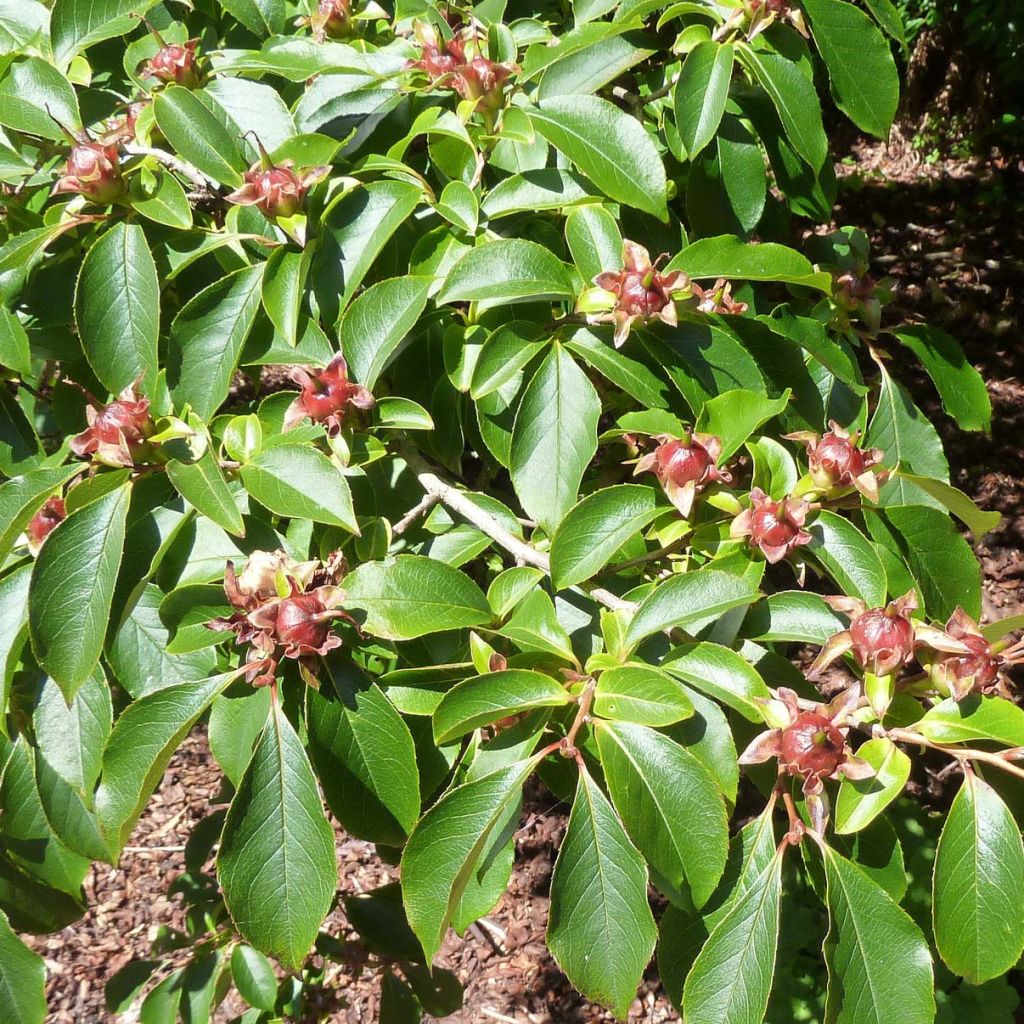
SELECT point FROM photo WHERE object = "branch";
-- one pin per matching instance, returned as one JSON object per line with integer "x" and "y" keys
{"x": 193, "y": 174}
{"x": 960, "y": 753}
{"x": 426, "y": 504}
{"x": 522, "y": 552}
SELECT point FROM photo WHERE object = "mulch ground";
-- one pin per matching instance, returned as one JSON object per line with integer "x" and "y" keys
{"x": 950, "y": 236}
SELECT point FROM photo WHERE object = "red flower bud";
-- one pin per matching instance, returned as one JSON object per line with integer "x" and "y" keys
{"x": 326, "y": 397}
{"x": 44, "y": 521}
{"x": 718, "y": 299}
{"x": 813, "y": 745}
{"x": 333, "y": 18}
{"x": 174, "y": 63}
{"x": 685, "y": 465}
{"x": 776, "y": 527}
{"x": 641, "y": 292}
{"x": 883, "y": 639}
{"x": 275, "y": 188}
{"x": 303, "y": 624}
{"x": 973, "y": 670}
{"x": 93, "y": 171}
{"x": 117, "y": 432}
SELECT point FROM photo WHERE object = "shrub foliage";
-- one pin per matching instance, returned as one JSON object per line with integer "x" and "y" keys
{"x": 430, "y": 399}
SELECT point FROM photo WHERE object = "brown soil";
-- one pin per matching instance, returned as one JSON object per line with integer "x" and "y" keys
{"x": 948, "y": 235}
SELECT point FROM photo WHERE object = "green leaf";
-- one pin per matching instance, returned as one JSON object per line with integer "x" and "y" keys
{"x": 732, "y": 976}
{"x": 277, "y": 841}
{"x": 879, "y": 967}
{"x": 535, "y": 627}
{"x": 794, "y": 98}
{"x": 641, "y": 694}
{"x": 76, "y": 24}
{"x": 729, "y": 256}
{"x": 283, "y": 289}
{"x": 22, "y": 979}
{"x": 689, "y": 601}
{"x": 379, "y": 321}
{"x": 974, "y": 718}
{"x": 14, "y": 349}
{"x": 734, "y": 415}
{"x": 27, "y": 89}
{"x": 671, "y": 806}
{"x": 234, "y": 726}
{"x": 510, "y": 586}
{"x": 23, "y": 496}
{"x": 960, "y": 386}
{"x": 207, "y": 337}
{"x": 459, "y": 206}
{"x": 486, "y": 699}
{"x": 144, "y": 737}
{"x": 976, "y": 520}
{"x": 446, "y": 846}
{"x": 507, "y": 270}
{"x": 201, "y": 132}
{"x": 860, "y": 802}
{"x": 701, "y": 93}
{"x": 262, "y": 17}
{"x": 848, "y": 557}
{"x": 721, "y": 673}
{"x": 72, "y": 737}
{"x": 253, "y": 977}
{"x": 632, "y": 376}
{"x": 365, "y": 757}
{"x": 594, "y": 240}
{"x": 505, "y": 352}
{"x": 117, "y": 309}
{"x": 299, "y": 481}
{"x": 167, "y": 204}
{"x": 411, "y": 596}
{"x": 978, "y": 900}
{"x": 554, "y": 438}
{"x": 353, "y": 232}
{"x": 865, "y": 82}
{"x": 203, "y": 486}
{"x": 73, "y": 586}
{"x": 792, "y": 615}
{"x": 549, "y": 188}
{"x": 593, "y": 531}
{"x": 609, "y": 146}
{"x": 600, "y": 928}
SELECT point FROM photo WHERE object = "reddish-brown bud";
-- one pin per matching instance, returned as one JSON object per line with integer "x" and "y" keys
{"x": 303, "y": 622}
{"x": 276, "y": 190}
{"x": 882, "y": 639}
{"x": 326, "y": 397}
{"x": 42, "y": 524}
{"x": 92, "y": 171}
{"x": 117, "y": 432}
{"x": 776, "y": 527}
{"x": 718, "y": 299}
{"x": 175, "y": 63}
{"x": 685, "y": 465}
{"x": 813, "y": 745}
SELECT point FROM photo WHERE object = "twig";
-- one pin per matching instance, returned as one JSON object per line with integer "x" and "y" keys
{"x": 193, "y": 174}
{"x": 426, "y": 504}
{"x": 960, "y": 753}
{"x": 651, "y": 556}
{"x": 524, "y": 553}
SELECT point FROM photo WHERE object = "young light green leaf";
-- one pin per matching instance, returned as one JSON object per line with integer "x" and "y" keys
{"x": 203, "y": 486}
{"x": 689, "y": 601}
{"x": 722, "y": 673}
{"x": 554, "y": 438}
{"x": 860, "y": 802}
{"x": 594, "y": 240}
{"x": 458, "y": 205}
{"x": 978, "y": 521}
{"x": 600, "y": 928}
{"x": 729, "y": 256}
{"x": 734, "y": 415}
{"x": 73, "y": 586}
{"x": 167, "y": 204}
{"x": 597, "y": 527}
{"x": 117, "y": 309}
{"x": 277, "y": 841}
{"x": 878, "y": 962}
{"x": 642, "y": 694}
{"x": 671, "y": 806}
{"x": 731, "y": 978}
{"x": 974, "y": 718}
{"x": 701, "y": 93}
{"x": 978, "y": 897}
{"x": 608, "y": 145}
{"x": 446, "y": 846}
{"x": 300, "y": 481}
{"x": 411, "y": 596}
{"x": 534, "y": 626}
{"x": 507, "y": 270}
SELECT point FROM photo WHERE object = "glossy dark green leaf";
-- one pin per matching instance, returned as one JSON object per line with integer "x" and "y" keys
{"x": 721, "y": 673}
{"x": 860, "y": 802}
{"x": 554, "y": 438}
{"x": 253, "y": 977}
{"x": 166, "y": 203}
{"x": 879, "y": 966}
{"x": 701, "y": 93}
{"x": 848, "y": 557}
{"x": 365, "y": 756}
{"x": 76, "y": 24}
{"x": 22, "y": 979}
{"x": 978, "y": 898}
{"x": 792, "y": 615}
{"x": 629, "y": 374}
{"x": 203, "y": 486}
{"x": 594, "y": 240}
{"x": 507, "y": 270}
{"x": 547, "y": 189}
{"x": 201, "y": 132}
{"x": 447, "y": 844}
{"x": 411, "y": 596}
{"x": 27, "y": 89}
{"x": 299, "y": 481}
{"x": 608, "y": 145}
{"x": 117, "y": 309}
{"x": 277, "y": 841}
{"x": 731, "y": 978}
{"x": 640, "y": 693}
{"x": 592, "y": 531}
{"x": 73, "y": 587}
{"x": 974, "y": 718}
{"x": 600, "y": 928}
{"x": 234, "y": 726}
{"x": 283, "y": 290}
{"x": 729, "y": 256}
{"x": 671, "y": 806}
